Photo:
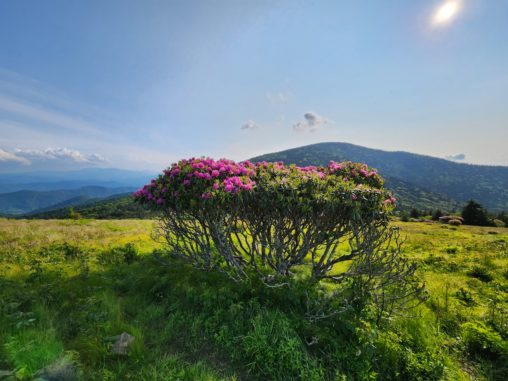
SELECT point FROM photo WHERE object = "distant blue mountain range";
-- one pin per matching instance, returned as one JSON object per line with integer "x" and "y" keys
{"x": 22, "y": 193}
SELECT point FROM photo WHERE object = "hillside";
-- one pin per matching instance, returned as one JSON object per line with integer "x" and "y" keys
{"x": 440, "y": 179}
{"x": 114, "y": 207}
{"x": 26, "y": 201}
{"x": 411, "y": 196}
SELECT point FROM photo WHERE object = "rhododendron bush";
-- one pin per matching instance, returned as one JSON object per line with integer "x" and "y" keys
{"x": 270, "y": 217}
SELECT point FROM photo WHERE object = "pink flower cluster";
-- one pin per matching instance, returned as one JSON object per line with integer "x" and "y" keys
{"x": 235, "y": 184}
{"x": 366, "y": 173}
{"x": 146, "y": 193}
{"x": 390, "y": 201}
{"x": 207, "y": 168}
{"x": 202, "y": 178}
{"x": 205, "y": 173}
{"x": 333, "y": 166}
{"x": 353, "y": 168}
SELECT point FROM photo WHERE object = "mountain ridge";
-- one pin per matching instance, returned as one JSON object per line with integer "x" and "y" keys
{"x": 27, "y": 201}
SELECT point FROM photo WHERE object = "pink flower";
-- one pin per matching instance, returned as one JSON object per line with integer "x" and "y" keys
{"x": 390, "y": 200}
{"x": 215, "y": 186}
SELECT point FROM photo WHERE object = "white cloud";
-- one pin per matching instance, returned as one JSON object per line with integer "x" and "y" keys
{"x": 249, "y": 125}
{"x": 65, "y": 154}
{"x": 457, "y": 157}
{"x": 47, "y": 158}
{"x": 311, "y": 123}
{"x": 10, "y": 157}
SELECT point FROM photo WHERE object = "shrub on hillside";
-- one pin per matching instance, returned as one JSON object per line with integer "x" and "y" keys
{"x": 474, "y": 214}
{"x": 415, "y": 213}
{"x": 480, "y": 272}
{"x": 483, "y": 342}
{"x": 437, "y": 214}
{"x": 269, "y": 218}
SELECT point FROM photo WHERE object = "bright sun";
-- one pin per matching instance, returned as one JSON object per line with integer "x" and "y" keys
{"x": 446, "y": 12}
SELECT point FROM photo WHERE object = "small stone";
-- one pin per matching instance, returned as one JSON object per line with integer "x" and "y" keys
{"x": 122, "y": 343}
{"x": 61, "y": 370}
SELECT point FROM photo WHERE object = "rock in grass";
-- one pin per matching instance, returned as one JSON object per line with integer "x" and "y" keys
{"x": 122, "y": 344}
{"x": 61, "y": 370}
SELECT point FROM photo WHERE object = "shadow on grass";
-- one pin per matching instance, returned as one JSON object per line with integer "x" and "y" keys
{"x": 192, "y": 325}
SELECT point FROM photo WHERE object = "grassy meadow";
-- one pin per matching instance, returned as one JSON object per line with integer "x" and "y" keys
{"x": 68, "y": 288}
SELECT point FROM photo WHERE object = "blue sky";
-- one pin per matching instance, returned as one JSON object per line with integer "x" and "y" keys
{"x": 139, "y": 84}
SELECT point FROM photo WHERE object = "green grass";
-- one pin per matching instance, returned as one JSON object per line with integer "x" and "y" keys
{"x": 67, "y": 288}
{"x": 32, "y": 349}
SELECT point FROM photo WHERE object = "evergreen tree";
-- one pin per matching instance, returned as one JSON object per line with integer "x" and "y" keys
{"x": 414, "y": 213}
{"x": 474, "y": 214}
{"x": 438, "y": 213}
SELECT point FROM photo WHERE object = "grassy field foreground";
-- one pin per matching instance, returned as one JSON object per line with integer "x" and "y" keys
{"x": 69, "y": 288}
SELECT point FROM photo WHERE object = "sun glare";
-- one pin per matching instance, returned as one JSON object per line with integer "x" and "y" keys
{"x": 446, "y": 12}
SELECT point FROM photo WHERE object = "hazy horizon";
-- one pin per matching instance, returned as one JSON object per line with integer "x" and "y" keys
{"x": 138, "y": 85}
{"x": 86, "y": 167}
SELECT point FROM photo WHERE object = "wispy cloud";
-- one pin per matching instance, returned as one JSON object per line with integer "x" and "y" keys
{"x": 249, "y": 126}
{"x": 9, "y": 157}
{"x": 59, "y": 153}
{"x": 311, "y": 122}
{"x": 457, "y": 157}
{"x": 44, "y": 115}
